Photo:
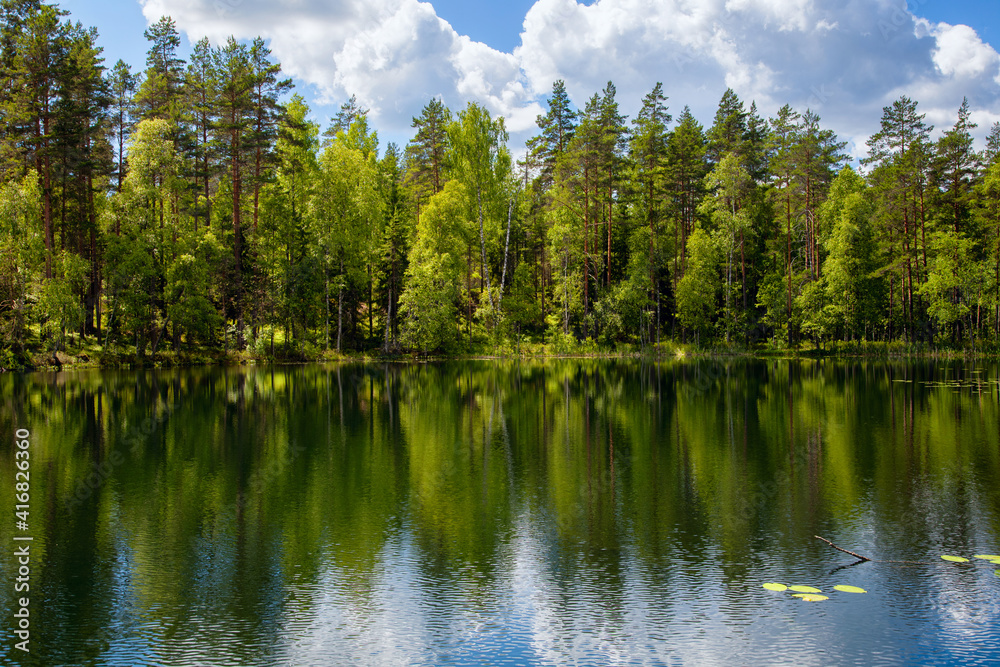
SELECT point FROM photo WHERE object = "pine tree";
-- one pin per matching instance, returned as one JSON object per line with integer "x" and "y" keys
{"x": 425, "y": 154}
{"x": 266, "y": 89}
{"x": 122, "y": 85}
{"x": 201, "y": 92}
{"x": 729, "y": 129}
{"x": 687, "y": 165}
{"x": 896, "y": 154}
{"x": 40, "y": 52}
{"x": 649, "y": 157}
{"x": 160, "y": 94}
{"x": 817, "y": 157}
{"x": 956, "y": 164}
{"x": 349, "y": 111}
{"x": 234, "y": 122}
{"x": 557, "y": 126}
{"x": 784, "y": 138}
{"x": 84, "y": 158}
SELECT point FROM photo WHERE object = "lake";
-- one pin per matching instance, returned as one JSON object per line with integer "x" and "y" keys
{"x": 589, "y": 512}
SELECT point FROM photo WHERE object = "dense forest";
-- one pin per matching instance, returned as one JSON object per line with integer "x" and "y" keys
{"x": 194, "y": 206}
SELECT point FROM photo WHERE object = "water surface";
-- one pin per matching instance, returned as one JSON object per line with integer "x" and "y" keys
{"x": 466, "y": 513}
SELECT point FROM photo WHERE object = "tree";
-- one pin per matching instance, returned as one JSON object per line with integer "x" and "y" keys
{"x": 479, "y": 160}
{"x": 730, "y": 183}
{"x": 265, "y": 90}
{"x": 201, "y": 90}
{"x": 728, "y": 131}
{"x": 22, "y": 255}
{"x": 140, "y": 254}
{"x": 896, "y": 154}
{"x": 853, "y": 289}
{"x": 122, "y": 84}
{"x": 394, "y": 244}
{"x": 234, "y": 122}
{"x": 428, "y": 303}
{"x": 39, "y": 52}
{"x": 425, "y": 154}
{"x": 784, "y": 137}
{"x": 944, "y": 285}
{"x": 84, "y": 160}
{"x": 345, "y": 207}
{"x": 160, "y": 94}
{"x": 816, "y": 157}
{"x": 557, "y": 126}
{"x": 687, "y": 168}
{"x": 649, "y": 155}
{"x": 698, "y": 289}
{"x": 956, "y": 165}
{"x": 287, "y": 237}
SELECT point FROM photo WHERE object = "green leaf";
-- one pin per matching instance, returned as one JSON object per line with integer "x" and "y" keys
{"x": 955, "y": 559}
{"x": 849, "y": 589}
{"x": 811, "y": 597}
{"x": 982, "y": 557}
{"x": 776, "y": 587}
{"x": 804, "y": 589}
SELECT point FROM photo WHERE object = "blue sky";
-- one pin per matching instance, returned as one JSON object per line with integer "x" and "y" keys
{"x": 845, "y": 59}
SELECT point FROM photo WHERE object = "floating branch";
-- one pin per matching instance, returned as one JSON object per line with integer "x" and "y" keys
{"x": 858, "y": 556}
{"x": 872, "y": 560}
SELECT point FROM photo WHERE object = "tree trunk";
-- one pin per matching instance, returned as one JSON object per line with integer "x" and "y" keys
{"x": 788, "y": 259}
{"x": 340, "y": 306}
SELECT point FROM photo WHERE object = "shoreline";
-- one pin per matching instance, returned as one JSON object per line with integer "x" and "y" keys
{"x": 87, "y": 360}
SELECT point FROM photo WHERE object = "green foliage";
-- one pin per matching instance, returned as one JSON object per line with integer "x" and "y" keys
{"x": 22, "y": 255}
{"x": 428, "y": 304}
{"x": 59, "y": 308}
{"x": 948, "y": 274}
{"x": 698, "y": 289}
{"x": 229, "y": 216}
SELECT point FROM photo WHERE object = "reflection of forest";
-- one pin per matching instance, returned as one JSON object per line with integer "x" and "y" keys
{"x": 242, "y": 494}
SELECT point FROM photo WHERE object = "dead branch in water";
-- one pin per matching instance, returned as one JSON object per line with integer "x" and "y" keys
{"x": 858, "y": 556}
{"x": 872, "y": 560}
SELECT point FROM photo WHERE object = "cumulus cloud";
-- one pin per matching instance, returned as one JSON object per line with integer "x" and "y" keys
{"x": 962, "y": 54}
{"x": 844, "y": 60}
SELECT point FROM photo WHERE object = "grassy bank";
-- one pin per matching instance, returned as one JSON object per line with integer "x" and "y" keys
{"x": 91, "y": 354}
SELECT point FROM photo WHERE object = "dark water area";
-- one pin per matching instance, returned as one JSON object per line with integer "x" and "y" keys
{"x": 468, "y": 513}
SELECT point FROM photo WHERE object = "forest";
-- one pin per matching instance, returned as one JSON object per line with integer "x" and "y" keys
{"x": 193, "y": 206}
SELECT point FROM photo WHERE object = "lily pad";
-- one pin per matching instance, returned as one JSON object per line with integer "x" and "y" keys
{"x": 775, "y": 587}
{"x": 982, "y": 557}
{"x": 849, "y": 589}
{"x": 811, "y": 597}
{"x": 955, "y": 559}
{"x": 804, "y": 589}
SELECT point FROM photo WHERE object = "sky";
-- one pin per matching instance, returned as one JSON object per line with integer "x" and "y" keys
{"x": 843, "y": 59}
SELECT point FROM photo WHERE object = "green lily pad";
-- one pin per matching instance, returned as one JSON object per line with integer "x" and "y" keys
{"x": 955, "y": 559}
{"x": 775, "y": 587}
{"x": 804, "y": 589}
{"x": 811, "y": 597}
{"x": 849, "y": 589}
{"x": 982, "y": 557}
{"x": 997, "y": 573}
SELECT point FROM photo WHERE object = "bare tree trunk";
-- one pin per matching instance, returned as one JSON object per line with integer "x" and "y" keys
{"x": 340, "y": 306}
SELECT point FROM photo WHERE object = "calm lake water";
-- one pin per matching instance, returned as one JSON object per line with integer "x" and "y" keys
{"x": 472, "y": 513}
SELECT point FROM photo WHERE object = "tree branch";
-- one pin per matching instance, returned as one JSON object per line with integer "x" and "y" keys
{"x": 858, "y": 556}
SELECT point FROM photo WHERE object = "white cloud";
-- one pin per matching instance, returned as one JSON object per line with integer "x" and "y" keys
{"x": 844, "y": 59}
{"x": 961, "y": 53}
